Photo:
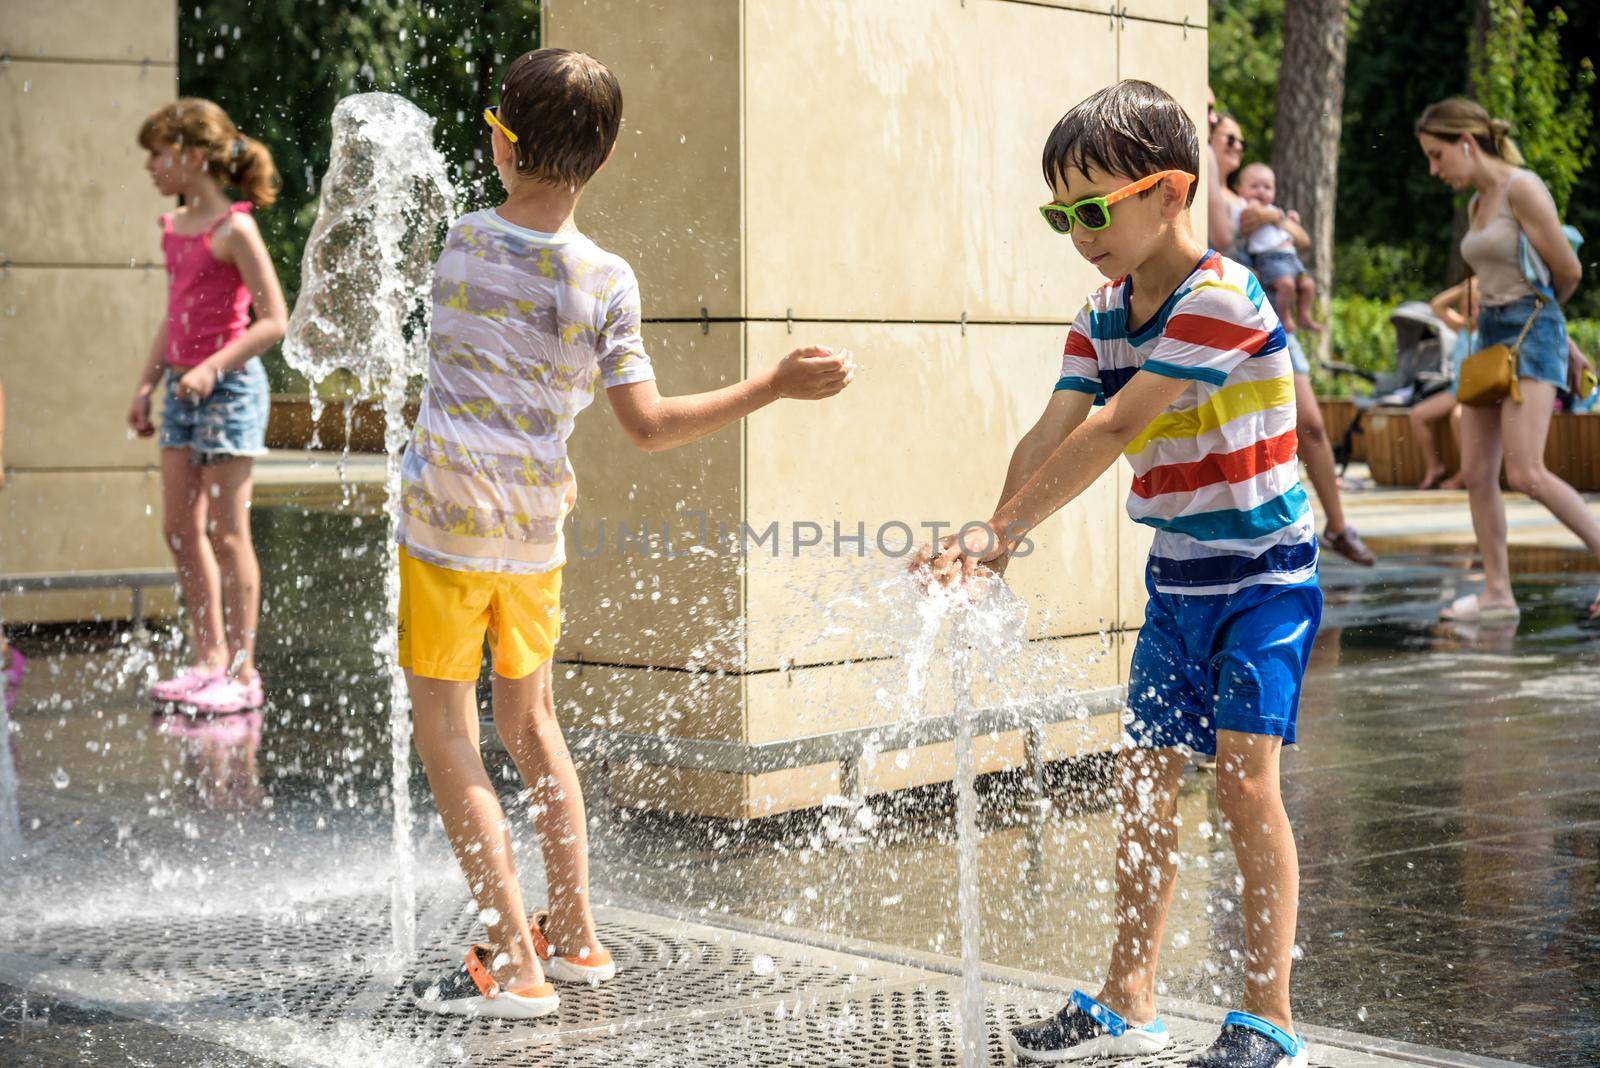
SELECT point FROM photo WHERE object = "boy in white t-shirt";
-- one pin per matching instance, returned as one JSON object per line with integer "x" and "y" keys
{"x": 529, "y": 316}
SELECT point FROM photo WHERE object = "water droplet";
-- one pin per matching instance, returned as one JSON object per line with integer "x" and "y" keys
{"x": 61, "y": 779}
{"x": 763, "y": 964}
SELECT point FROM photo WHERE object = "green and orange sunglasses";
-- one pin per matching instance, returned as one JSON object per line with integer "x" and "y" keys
{"x": 1095, "y": 212}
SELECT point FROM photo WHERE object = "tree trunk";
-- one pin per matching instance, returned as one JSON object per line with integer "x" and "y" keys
{"x": 1305, "y": 145}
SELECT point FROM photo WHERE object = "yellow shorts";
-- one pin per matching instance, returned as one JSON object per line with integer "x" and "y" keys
{"x": 444, "y": 615}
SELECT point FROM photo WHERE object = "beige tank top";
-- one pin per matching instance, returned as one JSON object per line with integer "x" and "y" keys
{"x": 1493, "y": 251}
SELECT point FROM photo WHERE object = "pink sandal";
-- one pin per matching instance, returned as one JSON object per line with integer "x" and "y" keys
{"x": 185, "y": 682}
{"x": 13, "y": 667}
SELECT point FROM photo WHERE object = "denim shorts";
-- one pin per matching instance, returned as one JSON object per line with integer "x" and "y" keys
{"x": 1277, "y": 263}
{"x": 1297, "y": 355}
{"x": 1544, "y": 351}
{"x": 232, "y": 421}
{"x": 1232, "y": 662}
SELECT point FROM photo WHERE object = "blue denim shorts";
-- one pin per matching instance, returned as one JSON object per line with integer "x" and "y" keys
{"x": 1277, "y": 263}
{"x": 1232, "y": 662}
{"x": 1544, "y": 351}
{"x": 232, "y": 421}
{"x": 1297, "y": 355}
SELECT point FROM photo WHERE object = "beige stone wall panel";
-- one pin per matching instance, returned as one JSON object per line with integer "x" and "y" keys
{"x": 127, "y": 31}
{"x": 924, "y": 434}
{"x": 644, "y": 701}
{"x": 852, "y": 155}
{"x": 1019, "y": 83}
{"x": 669, "y": 199}
{"x": 74, "y": 341}
{"x": 625, "y": 606}
{"x": 76, "y": 188}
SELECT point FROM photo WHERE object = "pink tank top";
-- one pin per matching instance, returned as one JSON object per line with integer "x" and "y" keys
{"x": 208, "y": 304}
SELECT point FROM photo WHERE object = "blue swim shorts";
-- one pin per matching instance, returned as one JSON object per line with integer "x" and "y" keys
{"x": 232, "y": 421}
{"x": 1232, "y": 662}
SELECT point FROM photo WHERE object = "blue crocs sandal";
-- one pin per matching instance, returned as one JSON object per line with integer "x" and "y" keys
{"x": 1248, "y": 1041}
{"x": 1084, "y": 1029}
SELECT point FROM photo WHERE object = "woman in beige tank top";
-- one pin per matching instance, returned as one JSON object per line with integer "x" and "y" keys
{"x": 1465, "y": 147}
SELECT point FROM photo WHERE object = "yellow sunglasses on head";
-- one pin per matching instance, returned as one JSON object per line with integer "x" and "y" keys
{"x": 491, "y": 115}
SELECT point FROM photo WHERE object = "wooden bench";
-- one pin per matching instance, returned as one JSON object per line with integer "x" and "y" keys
{"x": 358, "y": 425}
{"x": 1572, "y": 450}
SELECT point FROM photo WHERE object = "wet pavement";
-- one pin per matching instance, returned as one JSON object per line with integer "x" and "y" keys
{"x": 1445, "y": 796}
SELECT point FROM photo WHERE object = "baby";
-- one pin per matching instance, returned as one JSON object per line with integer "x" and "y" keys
{"x": 1272, "y": 250}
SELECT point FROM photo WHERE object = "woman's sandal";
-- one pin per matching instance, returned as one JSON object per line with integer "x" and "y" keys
{"x": 1468, "y": 610}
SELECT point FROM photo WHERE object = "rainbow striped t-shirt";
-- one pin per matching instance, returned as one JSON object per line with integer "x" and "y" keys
{"x": 1216, "y": 474}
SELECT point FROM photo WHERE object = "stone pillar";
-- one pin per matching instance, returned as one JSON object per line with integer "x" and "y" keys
{"x": 82, "y": 291}
{"x": 857, "y": 173}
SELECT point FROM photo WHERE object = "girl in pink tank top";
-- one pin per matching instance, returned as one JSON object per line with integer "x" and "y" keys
{"x": 208, "y": 303}
{"x": 214, "y": 414}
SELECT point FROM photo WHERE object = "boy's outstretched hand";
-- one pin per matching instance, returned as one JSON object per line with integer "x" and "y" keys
{"x": 813, "y": 373}
{"x": 960, "y": 556}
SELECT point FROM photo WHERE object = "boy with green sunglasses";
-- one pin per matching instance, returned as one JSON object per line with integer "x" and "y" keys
{"x": 1188, "y": 365}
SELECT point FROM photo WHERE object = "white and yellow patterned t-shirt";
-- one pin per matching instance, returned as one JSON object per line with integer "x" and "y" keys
{"x": 524, "y": 325}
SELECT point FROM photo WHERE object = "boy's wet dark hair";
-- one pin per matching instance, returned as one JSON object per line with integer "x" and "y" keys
{"x": 1132, "y": 128}
{"x": 565, "y": 108}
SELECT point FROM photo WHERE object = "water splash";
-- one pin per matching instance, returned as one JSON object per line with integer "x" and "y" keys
{"x": 363, "y": 310}
{"x": 986, "y": 627}
{"x": 11, "y": 842}
{"x": 364, "y": 301}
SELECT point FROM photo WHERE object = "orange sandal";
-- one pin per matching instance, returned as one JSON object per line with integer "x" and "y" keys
{"x": 471, "y": 991}
{"x": 582, "y": 967}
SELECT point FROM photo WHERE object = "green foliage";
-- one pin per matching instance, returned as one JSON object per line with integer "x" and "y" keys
{"x": 1580, "y": 47}
{"x": 1384, "y": 272}
{"x": 1395, "y": 227}
{"x": 1586, "y": 332}
{"x": 278, "y": 67}
{"x": 1402, "y": 57}
{"x": 1521, "y": 75}
{"x": 1362, "y": 337}
{"x": 1246, "y": 41}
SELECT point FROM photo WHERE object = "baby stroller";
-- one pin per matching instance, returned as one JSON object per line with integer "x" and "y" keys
{"x": 1423, "y": 346}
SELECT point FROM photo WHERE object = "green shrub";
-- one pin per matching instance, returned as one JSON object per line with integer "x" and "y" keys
{"x": 1382, "y": 272}
{"x": 1362, "y": 337}
{"x": 1586, "y": 332}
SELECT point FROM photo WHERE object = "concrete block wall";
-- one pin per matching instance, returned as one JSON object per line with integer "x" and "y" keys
{"x": 82, "y": 289}
{"x": 858, "y": 173}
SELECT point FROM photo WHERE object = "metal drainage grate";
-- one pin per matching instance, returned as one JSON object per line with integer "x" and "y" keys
{"x": 688, "y": 994}
{"x": 898, "y": 1028}
{"x": 317, "y": 972}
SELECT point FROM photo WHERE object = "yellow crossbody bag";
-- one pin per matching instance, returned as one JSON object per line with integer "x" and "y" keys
{"x": 1489, "y": 375}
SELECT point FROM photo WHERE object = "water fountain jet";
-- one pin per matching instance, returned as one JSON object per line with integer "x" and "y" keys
{"x": 363, "y": 309}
